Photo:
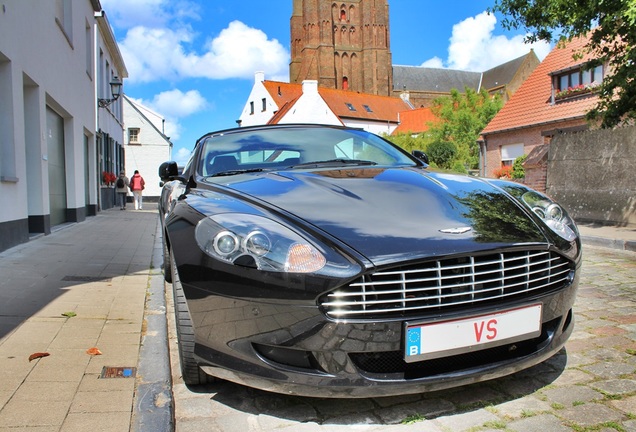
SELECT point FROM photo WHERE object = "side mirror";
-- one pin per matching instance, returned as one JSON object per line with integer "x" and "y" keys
{"x": 421, "y": 156}
{"x": 168, "y": 170}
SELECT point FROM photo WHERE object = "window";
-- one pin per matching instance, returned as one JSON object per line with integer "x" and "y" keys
{"x": 7, "y": 140}
{"x": 576, "y": 82}
{"x": 64, "y": 18}
{"x": 350, "y": 106}
{"x": 367, "y": 108}
{"x": 251, "y": 108}
{"x": 88, "y": 36}
{"x": 264, "y": 102}
{"x": 510, "y": 152}
{"x": 133, "y": 135}
{"x": 345, "y": 83}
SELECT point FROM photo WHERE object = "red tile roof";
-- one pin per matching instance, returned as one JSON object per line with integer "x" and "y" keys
{"x": 415, "y": 121}
{"x": 282, "y": 92}
{"x": 365, "y": 106}
{"x": 531, "y": 104}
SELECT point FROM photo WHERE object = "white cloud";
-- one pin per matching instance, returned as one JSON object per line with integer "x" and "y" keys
{"x": 435, "y": 62}
{"x": 153, "y": 54}
{"x": 474, "y": 47}
{"x": 175, "y": 103}
{"x": 182, "y": 155}
{"x": 149, "y": 13}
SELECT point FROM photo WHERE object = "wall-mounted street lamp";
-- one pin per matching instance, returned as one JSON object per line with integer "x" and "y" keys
{"x": 115, "y": 90}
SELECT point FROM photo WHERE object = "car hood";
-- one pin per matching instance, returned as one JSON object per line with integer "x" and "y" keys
{"x": 397, "y": 214}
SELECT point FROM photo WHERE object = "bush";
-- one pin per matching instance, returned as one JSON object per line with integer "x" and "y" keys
{"x": 518, "y": 172}
{"x": 442, "y": 153}
{"x": 459, "y": 167}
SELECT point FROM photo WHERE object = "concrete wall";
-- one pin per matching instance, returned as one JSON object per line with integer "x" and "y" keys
{"x": 592, "y": 174}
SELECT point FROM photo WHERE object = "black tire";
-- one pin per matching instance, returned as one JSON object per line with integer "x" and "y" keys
{"x": 167, "y": 260}
{"x": 190, "y": 370}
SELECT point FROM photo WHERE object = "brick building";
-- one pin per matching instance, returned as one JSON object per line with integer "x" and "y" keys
{"x": 342, "y": 45}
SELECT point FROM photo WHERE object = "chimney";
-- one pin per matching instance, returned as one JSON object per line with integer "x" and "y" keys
{"x": 310, "y": 87}
{"x": 259, "y": 77}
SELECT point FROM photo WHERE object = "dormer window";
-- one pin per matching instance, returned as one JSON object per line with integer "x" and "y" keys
{"x": 350, "y": 106}
{"x": 575, "y": 82}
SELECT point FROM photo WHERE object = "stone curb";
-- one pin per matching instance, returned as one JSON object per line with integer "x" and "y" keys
{"x": 153, "y": 407}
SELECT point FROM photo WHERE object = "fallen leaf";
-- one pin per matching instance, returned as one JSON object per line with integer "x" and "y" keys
{"x": 69, "y": 314}
{"x": 38, "y": 355}
{"x": 93, "y": 351}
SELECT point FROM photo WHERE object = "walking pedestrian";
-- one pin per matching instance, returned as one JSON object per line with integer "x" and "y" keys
{"x": 137, "y": 185}
{"x": 121, "y": 187}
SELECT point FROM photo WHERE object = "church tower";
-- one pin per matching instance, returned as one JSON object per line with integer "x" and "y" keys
{"x": 343, "y": 45}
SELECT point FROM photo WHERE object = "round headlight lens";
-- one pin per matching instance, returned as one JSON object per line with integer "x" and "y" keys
{"x": 554, "y": 212}
{"x": 225, "y": 243}
{"x": 257, "y": 243}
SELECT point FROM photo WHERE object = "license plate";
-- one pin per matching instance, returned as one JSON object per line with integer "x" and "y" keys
{"x": 441, "y": 339}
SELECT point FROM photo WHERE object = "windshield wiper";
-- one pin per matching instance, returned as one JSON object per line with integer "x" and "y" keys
{"x": 334, "y": 162}
{"x": 235, "y": 172}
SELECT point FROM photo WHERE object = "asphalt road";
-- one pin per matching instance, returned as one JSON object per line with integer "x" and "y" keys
{"x": 589, "y": 386}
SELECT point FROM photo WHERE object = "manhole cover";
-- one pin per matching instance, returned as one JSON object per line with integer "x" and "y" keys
{"x": 118, "y": 372}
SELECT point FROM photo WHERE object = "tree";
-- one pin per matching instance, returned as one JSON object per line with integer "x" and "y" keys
{"x": 463, "y": 116}
{"x": 610, "y": 26}
{"x": 442, "y": 153}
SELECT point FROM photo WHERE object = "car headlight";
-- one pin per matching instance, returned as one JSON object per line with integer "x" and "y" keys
{"x": 552, "y": 214}
{"x": 257, "y": 242}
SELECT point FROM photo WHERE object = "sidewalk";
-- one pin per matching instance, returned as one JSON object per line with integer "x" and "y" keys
{"x": 97, "y": 273}
{"x": 622, "y": 238}
{"x": 106, "y": 272}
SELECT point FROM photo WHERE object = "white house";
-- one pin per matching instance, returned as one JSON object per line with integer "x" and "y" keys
{"x": 272, "y": 102}
{"x": 49, "y": 172}
{"x": 147, "y": 146}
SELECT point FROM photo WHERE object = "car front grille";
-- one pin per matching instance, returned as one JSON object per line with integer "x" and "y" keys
{"x": 448, "y": 284}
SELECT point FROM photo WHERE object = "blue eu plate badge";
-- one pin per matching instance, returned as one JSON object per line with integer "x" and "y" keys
{"x": 413, "y": 340}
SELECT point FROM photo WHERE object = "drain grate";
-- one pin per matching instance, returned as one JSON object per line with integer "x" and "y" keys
{"x": 86, "y": 279}
{"x": 118, "y": 372}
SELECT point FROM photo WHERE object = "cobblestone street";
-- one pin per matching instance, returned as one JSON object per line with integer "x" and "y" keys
{"x": 588, "y": 386}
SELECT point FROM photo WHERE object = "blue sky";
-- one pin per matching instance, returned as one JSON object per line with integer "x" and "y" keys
{"x": 193, "y": 61}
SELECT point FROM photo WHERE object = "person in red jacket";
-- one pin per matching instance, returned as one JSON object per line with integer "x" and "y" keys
{"x": 137, "y": 185}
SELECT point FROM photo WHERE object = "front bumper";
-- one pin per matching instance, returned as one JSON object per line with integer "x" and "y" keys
{"x": 295, "y": 349}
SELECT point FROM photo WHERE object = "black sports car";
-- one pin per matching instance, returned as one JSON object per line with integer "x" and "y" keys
{"x": 325, "y": 261}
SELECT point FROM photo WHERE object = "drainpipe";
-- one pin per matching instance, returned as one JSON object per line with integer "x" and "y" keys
{"x": 483, "y": 145}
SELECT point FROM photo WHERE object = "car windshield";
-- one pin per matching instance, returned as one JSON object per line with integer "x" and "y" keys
{"x": 295, "y": 148}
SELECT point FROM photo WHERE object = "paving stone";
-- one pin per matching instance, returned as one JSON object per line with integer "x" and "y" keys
{"x": 569, "y": 395}
{"x": 616, "y": 386}
{"x": 590, "y": 414}
{"x": 465, "y": 421}
{"x": 424, "y": 409}
{"x": 539, "y": 423}
{"x": 518, "y": 408}
{"x": 610, "y": 369}
{"x": 627, "y": 405}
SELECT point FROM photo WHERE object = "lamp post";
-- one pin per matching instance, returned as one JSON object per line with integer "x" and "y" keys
{"x": 115, "y": 90}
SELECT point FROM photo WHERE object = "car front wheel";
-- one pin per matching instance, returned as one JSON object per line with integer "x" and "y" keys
{"x": 190, "y": 370}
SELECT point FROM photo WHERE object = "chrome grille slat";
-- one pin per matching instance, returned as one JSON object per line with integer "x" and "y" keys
{"x": 449, "y": 283}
